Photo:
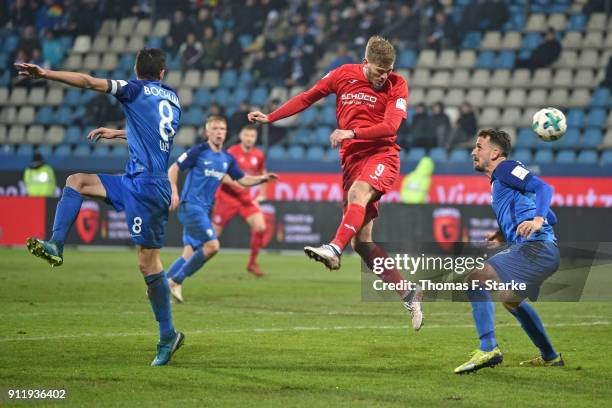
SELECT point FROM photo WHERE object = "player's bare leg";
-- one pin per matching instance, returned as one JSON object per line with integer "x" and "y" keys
{"x": 359, "y": 195}
{"x": 77, "y": 186}
{"x": 257, "y": 224}
{"x": 367, "y": 249}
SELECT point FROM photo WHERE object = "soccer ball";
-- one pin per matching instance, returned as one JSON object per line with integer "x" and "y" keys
{"x": 549, "y": 124}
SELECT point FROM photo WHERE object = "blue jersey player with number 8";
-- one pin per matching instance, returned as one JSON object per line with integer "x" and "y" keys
{"x": 152, "y": 113}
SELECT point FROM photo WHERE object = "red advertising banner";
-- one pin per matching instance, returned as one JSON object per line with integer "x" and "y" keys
{"x": 445, "y": 189}
{"x": 20, "y": 218}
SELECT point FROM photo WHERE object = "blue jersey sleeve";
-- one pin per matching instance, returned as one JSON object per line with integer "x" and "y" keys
{"x": 234, "y": 170}
{"x": 513, "y": 174}
{"x": 124, "y": 91}
{"x": 189, "y": 159}
{"x": 543, "y": 192}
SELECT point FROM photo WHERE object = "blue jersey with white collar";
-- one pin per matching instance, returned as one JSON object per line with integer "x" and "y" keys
{"x": 207, "y": 171}
{"x": 152, "y": 112}
{"x": 513, "y": 203}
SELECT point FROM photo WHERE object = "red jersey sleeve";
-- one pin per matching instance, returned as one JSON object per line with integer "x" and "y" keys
{"x": 395, "y": 112}
{"x": 298, "y": 103}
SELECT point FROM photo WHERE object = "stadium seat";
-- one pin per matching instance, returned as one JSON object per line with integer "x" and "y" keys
{"x": 570, "y": 140}
{"x": 592, "y": 138}
{"x": 120, "y": 151}
{"x": 176, "y": 152}
{"x": 543, "y": 156}
{"x": 315, "y": 153}
{"x": 416, "y": 154}
{"x": 575, "y": 118}
{"x": 45, "y": 151}
{"x": 427, "y": 59}
{"x": 24, "y": 150}
{"x": 221, "y": 96}
{"x": 276, "y": 153}
{"x": 154, "y": 42}
{"x": 600, "y": 98}
{"x": 606, "y": 157}
{"x": 259, "y": 97}
{"x": 566, "y": 156}
{"x": 201, "y": 98}
{"x": 161, "y": 27}
{"x": 596, "y": 118}
{"x": 459, "y": 156}
{"x": 295, "y": 153}
{"x": 193, "y": 117}
{"x": 471, "y": 40}
{"x": 577, "y": 22}
{"x": 35, "y": 134}
{"x": 406, "y": 59}
{"x": 246, "y": 78}
{"x": 16, "y": 134}
{"x": 531, "y": 40}
{"x": 54, "y": 97}
{"x": 328, "y": 116}
{"x": 587, "y": 157}
{"x": 73, "y": 135}
{"x": 101, "y": 151}
{"x": 44, "y": 116}
{"x": 192, "y": 78}
{"x": 491, "y": 41}
{"x": 210, "y": 79}
{"x": 438, "y": 154}
{"x": 321, "y": 135}
{"x": 55, "y": 135}
{"x": 333, "y": 155}
{"x": 185, "y": 97}
{"x": 460, "y": 78}
{"x": 525, "y": 138}
{"x": 229, "y": 78}
{"x": 522, "y": 155}
{"x": 186, "y": 136}
{"x": 486, "y": 60}
{"x": 308, "y": 117}
{"x": 62, "y": 151}
{"x": 25, "y": 115}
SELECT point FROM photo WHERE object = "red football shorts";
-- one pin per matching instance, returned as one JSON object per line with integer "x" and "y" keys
{"x": 227, "y": 206}
{"x": 377, "y": 168}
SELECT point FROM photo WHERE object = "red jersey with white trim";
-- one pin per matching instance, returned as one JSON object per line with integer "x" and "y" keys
{"x": 252, "y": 163}
{"x": 375, "y": 116}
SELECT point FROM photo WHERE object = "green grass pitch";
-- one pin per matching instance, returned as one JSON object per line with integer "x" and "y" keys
{"x": 301, "y": 336}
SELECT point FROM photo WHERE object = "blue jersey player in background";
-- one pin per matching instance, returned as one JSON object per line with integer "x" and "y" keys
{"x": 152, "y": 113}
{"x": 208, "y": 164}
{"x": 521, "y": 202}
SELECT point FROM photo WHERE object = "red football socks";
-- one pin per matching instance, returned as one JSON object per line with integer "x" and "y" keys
{"x": 351, "y": 223}
{"x": 257, "y": 238}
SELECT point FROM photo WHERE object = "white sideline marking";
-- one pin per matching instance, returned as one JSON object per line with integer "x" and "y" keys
{"x": 283, "y": 329}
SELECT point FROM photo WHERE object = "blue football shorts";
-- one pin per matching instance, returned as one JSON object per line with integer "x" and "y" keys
{"x": 529, "y": 262}
{"x": 145, "y": 199}
{"x": 197, "y": 228}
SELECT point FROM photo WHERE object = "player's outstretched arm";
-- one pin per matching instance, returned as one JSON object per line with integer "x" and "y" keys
{"x": 75, "y": 79}
{"x": 106, "y": 133}
{"x": 250, "y": 181}
{"x": 173, "y": 173}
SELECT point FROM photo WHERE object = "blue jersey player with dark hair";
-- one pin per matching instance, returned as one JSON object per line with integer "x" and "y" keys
{"x": 208, "y": 164}
{"x": 152, "y": 113}
{"x": 521, "y": 202}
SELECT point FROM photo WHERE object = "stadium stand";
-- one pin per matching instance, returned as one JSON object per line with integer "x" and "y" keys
{"x": 479, "y": 69}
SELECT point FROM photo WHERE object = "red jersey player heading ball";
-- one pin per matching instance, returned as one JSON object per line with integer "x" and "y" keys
{"x": 371, "y": 103}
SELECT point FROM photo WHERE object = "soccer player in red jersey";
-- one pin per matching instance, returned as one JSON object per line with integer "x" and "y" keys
{"x": 232, "y": 198}
{"x": 371, "y": 103}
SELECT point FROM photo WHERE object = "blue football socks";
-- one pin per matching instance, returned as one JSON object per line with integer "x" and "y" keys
{"x": 159, "y": 296}
{"x": 66, "y": 212}
{"x": 531, "y": 323}
{"x": 483, "y": 312}
{"x": 176, "y": 267}
{"x": 195, "y": 262}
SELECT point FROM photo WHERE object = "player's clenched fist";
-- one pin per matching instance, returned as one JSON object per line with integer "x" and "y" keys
{"x": 30, "y": 70}
{"x": 258, "y": 117}
{"x": 529, "y": 227}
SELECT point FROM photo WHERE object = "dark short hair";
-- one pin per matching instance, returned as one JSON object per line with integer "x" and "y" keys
{"x": 499, "y": 138}
{"x": 248, "y": 127}
{"x": 149, "y": 63}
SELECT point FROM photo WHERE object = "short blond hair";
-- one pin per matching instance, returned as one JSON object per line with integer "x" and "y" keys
{"x": 380, "y": 51}
{"x": 215, "y": 118}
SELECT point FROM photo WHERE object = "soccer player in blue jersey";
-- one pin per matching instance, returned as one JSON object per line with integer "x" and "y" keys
{"x": 208, "y": 164}
{"x": 521, "y": 202}
{"x": 152, "y": 111}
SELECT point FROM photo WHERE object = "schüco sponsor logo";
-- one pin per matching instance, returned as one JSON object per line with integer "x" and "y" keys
{"x": 358, "y": 97}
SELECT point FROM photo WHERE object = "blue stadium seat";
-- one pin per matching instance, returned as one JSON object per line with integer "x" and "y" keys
{"x": 259, "y": 97}
{"x": 302, "y": 136}
{"x": 154, "y": 42}
{"x": 67, "y": 41}
{"x": 569, "y": 140}
{"x": 5, "y": 79}
{"x": 10, "y": 43}
{"x": 522, "y": 155}
{"x": 73, "y": 135}
{"x": 120, "y": 151}
{"x": 295, "y": 153}
{"x": 459, "y": 156}
{"x": 245, "y": 78}
{"x": 600, "y": 98}
{"x": 577, "y": 22}
{"x": 63, "y": 116}
{"x": 87, "y": 96}
{"x": 592, "y": 138}
{"x": 308, "y": 117}
{"x": 330, "y": 101}
{"x": 597, "y": 118}
{"x": 239, "y": 95}
{"x": 176, "y": 152}
{"x": 315, "y": 153}
{"x": 531, "y": 40}
{"x": 438, "y": 154}
{"x": 526, "y": 138}
{"x": 587, "y": 157}
{"x": 62, "y": 151}
{"x": 415, "y": 154}
{"x": 276, "y": 153}
{"x": 229, "y": 78}
{"x": 101, "y": 151}
{"x": 543, "y": 156}
{"x": 505, "y": 60}
{"x": 201, "y": 98}
{"x": 100, "y": 73}
{"x": 406, "y": 59}
{"x": 4, "y": 57}
{"x": 221, "y": 95}
{"x": 321, "y": 135}
{"x": 472, "y": 40}
{"x": 193, "y": 117}
{"x": 486, "y": 60}
{"x": 328, "y": 116}
{"x": 44, "y": 116}
{"x": 72, "y": 97}
{"x": 606, "y": 157}
{"x": 566, "y": 156}
{"x": 6, "y": 150}
{"x": 575, "y": 118}
{"x": 82, "y": 151}
{"x": 45, "y": 150}
{"x": 245, "y": 40}
{"x": 333, "y": 155}
{"x": 24, "y": 150}
{"x": 126, "y": 62}
{"x": 173, "y": 62}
